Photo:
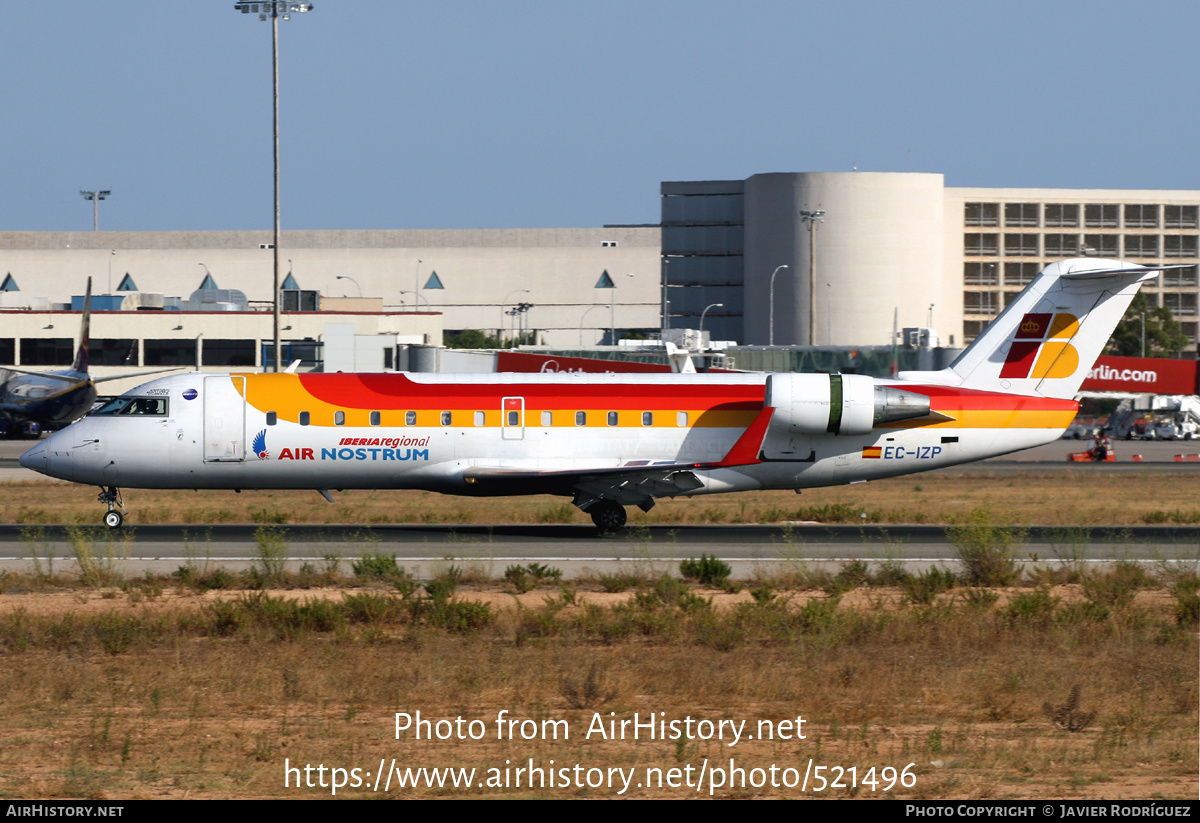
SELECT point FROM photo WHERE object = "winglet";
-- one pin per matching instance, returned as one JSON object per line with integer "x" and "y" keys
{"x": 746, "y": 450}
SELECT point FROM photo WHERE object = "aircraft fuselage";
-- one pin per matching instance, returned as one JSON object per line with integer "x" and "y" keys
{"x": 344, "y": 431}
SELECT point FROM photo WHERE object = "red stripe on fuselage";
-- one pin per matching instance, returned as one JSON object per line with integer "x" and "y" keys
{"x": 397, "y": 391}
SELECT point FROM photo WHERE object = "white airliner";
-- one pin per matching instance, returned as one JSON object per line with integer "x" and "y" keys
{"x": 606, "y": 441}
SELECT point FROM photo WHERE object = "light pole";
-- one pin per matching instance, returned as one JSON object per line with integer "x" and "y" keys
{"x": 771, "y": 310}
{"x": 1143, "y": 315}
{"x": 355, "y": 282}
{"x": 505, "y": 303}
{"x": 706, "y": 308}
{"x": 666, "y": 304}
{"x": 612, "y": 312}
{"x": 521, "y": 310}
{"x": 96, "y": 197}
{"x": 275, "y": 9}
{"x": 420, "y": 297}
{"x": 828, "y": 314}
{"x": 812, "y": 218}
{"x": 585, "y": 314}
{"x": 417, "y": 283}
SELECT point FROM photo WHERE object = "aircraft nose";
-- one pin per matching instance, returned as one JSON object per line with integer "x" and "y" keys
{"x": 35, "y": 458}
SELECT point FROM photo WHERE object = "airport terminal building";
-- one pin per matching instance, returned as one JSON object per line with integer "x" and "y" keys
{"x": 824, "y": 258}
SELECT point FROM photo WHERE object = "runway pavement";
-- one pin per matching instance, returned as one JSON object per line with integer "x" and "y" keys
{"x": 423, "y": 549}
{"x": 490, "y": 549}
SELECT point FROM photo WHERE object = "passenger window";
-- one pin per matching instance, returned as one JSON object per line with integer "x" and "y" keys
{"x": 339, "y": 418}
{"x": 271, "y": 418}
{"x": 647, "y": 418}
{"x": 480, "y": 418}
{"x": 681, "y": 419}
{"x": 445, "y": 418}
{"x": 410, "y": 418}
{"x": 376, "y": 418}
{"x": 303, "y": 418}
{"x": 547, "y": 418}
{"x": 612, "y": 418}
{"x": 580, "y": 418}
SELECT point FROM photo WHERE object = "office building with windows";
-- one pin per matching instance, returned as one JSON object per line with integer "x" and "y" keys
{"x": 839, "y": 258}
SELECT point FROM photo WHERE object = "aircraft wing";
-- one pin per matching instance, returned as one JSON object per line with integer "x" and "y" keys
{"x": 636, "y": 482}
{"x": 63, "y": 377}
{"x": 82, "y": 378}
{"x": 135, "y": 374}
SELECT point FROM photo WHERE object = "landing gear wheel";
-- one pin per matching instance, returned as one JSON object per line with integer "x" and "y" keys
{"x": 115, "y": 515}
{"x": 607, "y": 515}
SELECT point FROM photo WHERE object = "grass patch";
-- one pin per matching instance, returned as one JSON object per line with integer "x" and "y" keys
{"x": 986, "y": 550}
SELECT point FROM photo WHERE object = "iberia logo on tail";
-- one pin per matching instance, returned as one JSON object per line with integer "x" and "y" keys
{"x": 1040, "y": 348}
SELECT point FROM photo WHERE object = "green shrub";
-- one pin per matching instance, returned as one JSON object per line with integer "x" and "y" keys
{"x": 445, "y": 584}
{"x": 529, "y": 577}
{"x": 1037, "y": 606}
{"x": 1187, "y": 600}
{"x": 1117, "y": 585}
{"x": 923, "y": 588}
{"x": 618, "y": 581}
{"x": 376, "y": 566}
{"x": 369, "y": 607}
{"x": 709, "y": 571}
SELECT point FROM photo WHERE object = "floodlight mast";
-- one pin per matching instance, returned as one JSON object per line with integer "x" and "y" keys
{"x": 96, "y": 197}
{"x": 813, "y": 219}
{"x": 274, "y": 9}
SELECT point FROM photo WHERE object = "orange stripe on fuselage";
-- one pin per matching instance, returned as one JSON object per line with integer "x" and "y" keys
{"x": 970, "y": 408}
{"x": 716, "y": 404}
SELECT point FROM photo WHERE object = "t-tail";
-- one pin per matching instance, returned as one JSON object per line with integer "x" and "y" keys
{"x": 81, "y": 355}
{"x": 1048, "y": 338}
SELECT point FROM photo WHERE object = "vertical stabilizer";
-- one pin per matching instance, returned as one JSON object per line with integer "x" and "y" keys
{"x": 1048, "y": 338}
{"x": 81, "y": 354}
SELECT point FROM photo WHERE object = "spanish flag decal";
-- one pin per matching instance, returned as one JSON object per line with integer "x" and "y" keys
{"x": 872, "y": 451}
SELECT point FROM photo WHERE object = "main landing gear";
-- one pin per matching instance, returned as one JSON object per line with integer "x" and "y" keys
{"x": 607, "y": 515}
{"x": 112, "y": 497}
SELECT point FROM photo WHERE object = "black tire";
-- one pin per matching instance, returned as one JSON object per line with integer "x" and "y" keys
{"x": 607, "y": 515}
{"x": 113, "y": 519}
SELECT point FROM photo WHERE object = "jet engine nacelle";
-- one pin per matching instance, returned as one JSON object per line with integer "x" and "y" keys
{"x": 838, "y": 403}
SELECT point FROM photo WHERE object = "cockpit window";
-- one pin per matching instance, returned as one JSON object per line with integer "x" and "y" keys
{"x": 145, "y": 406}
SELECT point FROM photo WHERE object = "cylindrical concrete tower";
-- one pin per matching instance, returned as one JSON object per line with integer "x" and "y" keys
{"x": 879, "y": 246}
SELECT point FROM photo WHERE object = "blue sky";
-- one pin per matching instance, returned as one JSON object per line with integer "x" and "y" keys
{"x": 532, "y": 114}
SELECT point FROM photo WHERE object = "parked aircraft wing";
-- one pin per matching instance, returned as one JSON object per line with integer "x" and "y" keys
{"x": 135, "y": 374}
{"x": 66, "y": 378}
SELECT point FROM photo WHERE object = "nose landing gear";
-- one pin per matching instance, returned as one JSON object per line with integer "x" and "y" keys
{"x": 111, "y": 496}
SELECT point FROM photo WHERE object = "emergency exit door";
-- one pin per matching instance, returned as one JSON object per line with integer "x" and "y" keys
{"x": 224, "y": 419}
{"x": 512, "y": 414}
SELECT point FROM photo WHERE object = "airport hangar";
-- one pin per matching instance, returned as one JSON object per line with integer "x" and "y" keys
{"x": 888, "y": 246}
